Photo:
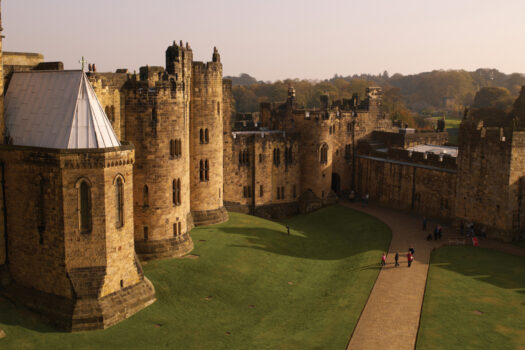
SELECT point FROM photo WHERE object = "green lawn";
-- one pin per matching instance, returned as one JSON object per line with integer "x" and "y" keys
{"x": 475, "y": 299}
{"x": 267, "y": 290}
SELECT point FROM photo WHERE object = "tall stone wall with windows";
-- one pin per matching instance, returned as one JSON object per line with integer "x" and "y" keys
{"x": 206, "y": 143}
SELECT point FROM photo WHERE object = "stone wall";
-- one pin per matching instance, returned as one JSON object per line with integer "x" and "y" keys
{"x": 489, "y": 173}
{"x": 425, "y": 189}
{"x": 256, "y": 180}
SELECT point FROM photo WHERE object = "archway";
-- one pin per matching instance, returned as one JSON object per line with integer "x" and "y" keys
{"x": 336, "y": 183}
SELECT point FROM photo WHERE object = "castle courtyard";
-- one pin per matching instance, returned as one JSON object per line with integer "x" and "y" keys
{"x": 248, "y": 282}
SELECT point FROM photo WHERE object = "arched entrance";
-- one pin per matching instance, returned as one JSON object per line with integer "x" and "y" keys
{"x": 336, "y": 183}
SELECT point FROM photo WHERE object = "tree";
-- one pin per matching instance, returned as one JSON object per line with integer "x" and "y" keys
{"x": 493, "y": 97}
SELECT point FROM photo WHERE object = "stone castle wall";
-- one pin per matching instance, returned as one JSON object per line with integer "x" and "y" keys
{"x": 489, "y": 173}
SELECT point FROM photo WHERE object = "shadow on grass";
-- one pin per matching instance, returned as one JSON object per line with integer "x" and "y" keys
{"x": 12, "y": 314}
{"x": 305, "y": 245}
{"x": 485, "y": 265}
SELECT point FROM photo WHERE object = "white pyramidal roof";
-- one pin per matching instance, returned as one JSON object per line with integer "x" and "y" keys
{"x": 56, "y": 109}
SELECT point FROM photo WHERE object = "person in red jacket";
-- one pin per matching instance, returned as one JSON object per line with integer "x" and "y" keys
{"x": 383, "y": 260}
{"x": 410, "y": 258}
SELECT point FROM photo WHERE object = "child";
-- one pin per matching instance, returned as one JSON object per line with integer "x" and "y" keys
{"x": 383, "y": 260}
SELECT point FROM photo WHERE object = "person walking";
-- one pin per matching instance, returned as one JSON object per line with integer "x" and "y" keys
{"x": 411, "y": 250}
{"x": 410, "y": 258}
{"x": 383, "y": 260}
{"x": 288, "y": 229}
{"x": 396, "y": 259}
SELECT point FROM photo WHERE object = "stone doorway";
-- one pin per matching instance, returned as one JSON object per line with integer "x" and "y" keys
{"x": 336, "y": 183}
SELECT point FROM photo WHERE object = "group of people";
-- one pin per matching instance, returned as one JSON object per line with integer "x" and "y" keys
{"x": 410, "y": 258}
{"x": 354, "y": 197}
{"x": 470, "y": 231}
{"x": 438, "y": 231}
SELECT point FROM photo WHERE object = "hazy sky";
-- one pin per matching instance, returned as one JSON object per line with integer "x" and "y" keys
{"x": 275, "y": 39}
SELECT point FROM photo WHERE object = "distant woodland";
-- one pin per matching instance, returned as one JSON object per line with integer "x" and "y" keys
{"x": 410, "y": 98}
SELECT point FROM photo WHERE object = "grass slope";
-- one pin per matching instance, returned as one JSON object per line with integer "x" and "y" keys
{"x": 463, "y": 280}
{"x": 245, "y": 265}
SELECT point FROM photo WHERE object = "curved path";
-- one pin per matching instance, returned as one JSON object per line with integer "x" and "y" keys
{"x": 390, "y": 319}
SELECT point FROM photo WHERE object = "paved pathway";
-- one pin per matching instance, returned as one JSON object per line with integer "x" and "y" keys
{"x": 390, "y": 319}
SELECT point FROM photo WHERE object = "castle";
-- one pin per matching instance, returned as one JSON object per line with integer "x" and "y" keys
{"x": 102, "y": 170}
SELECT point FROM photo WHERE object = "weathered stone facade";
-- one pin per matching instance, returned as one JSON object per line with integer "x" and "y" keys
{"x": 80, "y": 274}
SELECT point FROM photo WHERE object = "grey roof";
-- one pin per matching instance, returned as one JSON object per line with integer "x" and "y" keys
{"x": 436, "y": 149}
{"x": 56, "y": 109}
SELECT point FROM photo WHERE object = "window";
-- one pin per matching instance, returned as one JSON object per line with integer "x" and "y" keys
{"x": 278, "y": 193}
{"x": 288, "y": 155}
{"x": 244, "y": 157}
{"x": 119, "y": 204}
{"x": 282, "y": 193}
{"x": 172, "y": 148}
{"x": 294, "y": 192}
{"x": 204, "y": 170}
{"x": 84, "y": 207}
{"x": 218, "y": 108}
{"x": 146, "y": 233}
{"x": 247, "y": 191}
{"x": 175, "y": 229}
{"x": 180, "y": 227}
{"x": 261, "y": 191}
{"x": 145, "y": 196}
{"x": 260, "y": 157}
{"x": 175, "y": 192}
{"x": 276, "y": 156}
{"x": 204, "y": 136}
{"x": 323, "y": 154}
{"x": 348, "y": 127}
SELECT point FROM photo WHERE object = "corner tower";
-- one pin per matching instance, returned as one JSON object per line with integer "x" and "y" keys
{"x": 206, "y": 142}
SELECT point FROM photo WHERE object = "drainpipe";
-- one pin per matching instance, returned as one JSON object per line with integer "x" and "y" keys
{"x": 6, "y": 239}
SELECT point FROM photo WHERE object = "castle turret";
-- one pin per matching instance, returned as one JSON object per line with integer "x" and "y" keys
{"x": 157, "y": 122}
{"x": 206, "y": 142}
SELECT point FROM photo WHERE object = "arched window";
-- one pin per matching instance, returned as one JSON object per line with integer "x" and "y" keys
{"x": 206, "y": 169}
{"x": 176, "y": 193}
{"x": 112, "y": 110}
{"x": 108, "y": 112}
{"x": 178, "y": 147}
{"x": 172, "y": 148}
{"x": 276, "y": 156}
{"x": 119, "y": 204}
{"x": 201, "y": 135}
{"x": 84, "y": 207}
{"x": 323, "y": 154}
{"x": 218, "y": 108}
{"x": 240, "y": 158}
{"x": 203, "y": 170}
{"x": 206, "y": 136}
{"x": 145, "y": 196}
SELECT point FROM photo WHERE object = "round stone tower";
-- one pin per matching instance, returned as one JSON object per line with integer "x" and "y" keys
{"x": 157, "y": 122}
{"x": 206, "y": 142}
